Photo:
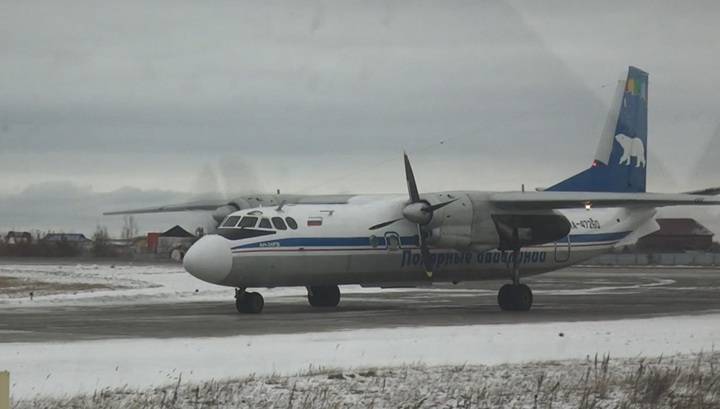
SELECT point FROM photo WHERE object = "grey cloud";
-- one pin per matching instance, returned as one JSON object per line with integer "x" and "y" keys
{"x": 66, "y": 207}
{"x": 322, "y": 96}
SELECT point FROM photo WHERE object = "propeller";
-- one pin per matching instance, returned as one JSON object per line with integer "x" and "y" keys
{"x": 417, "y": 211}
{"x": 223, "y": 180}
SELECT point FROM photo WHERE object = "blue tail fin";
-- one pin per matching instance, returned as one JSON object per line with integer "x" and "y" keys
{"x": 621, "y": 158}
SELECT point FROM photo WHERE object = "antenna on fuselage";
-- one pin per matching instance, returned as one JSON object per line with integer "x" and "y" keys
{"x": 279, "y": 208}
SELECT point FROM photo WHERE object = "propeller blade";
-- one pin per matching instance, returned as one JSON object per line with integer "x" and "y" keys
{"x": 434, "y": 207}
{"x": 410, "y": 177}
{"x": 383, "y": 224}
{"x": 425, "y": 253}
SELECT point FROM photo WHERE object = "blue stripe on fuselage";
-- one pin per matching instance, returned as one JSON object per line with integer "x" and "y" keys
{"x": 404, "y": 241}
{"x": 593, "y": 237}
{"x": 328, "y": 242}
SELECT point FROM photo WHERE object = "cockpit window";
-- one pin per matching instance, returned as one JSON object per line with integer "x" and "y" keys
{"x": 279, "y": 223}
{"x": 265, "y": 223}
{"x": 248, "y": 221}
{"x": 292, "y": 223}
{"x": 230, "y": 221}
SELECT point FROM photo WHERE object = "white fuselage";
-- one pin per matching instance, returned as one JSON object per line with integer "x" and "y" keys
{"x": 332, "y": 245}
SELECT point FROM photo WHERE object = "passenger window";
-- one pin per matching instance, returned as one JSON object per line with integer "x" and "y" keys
{"x": 279, "y": 223}
{"x": 291, "y": 222}
{"x": 265, "y": 223}
{"x": 230, "y": 221}
{"x": 248, "y": 221}
{"x": 393, "y": 241}
{"x": 374, "y": 241}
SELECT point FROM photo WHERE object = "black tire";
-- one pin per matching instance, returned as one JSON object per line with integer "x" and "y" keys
{"x": 250, "y": 303}
{"x": 523, "y": 298}
{"x": 505, "y": 297}
{"x": 240, "y": 305}
{"x": 515, "y": 297}
{"x": 324, "y": 296}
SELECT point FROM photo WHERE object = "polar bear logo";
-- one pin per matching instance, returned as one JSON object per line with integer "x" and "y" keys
{"x": 632, "y": 147}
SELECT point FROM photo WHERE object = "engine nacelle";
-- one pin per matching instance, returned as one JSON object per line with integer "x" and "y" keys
{"x": 473, "y": 223}
{"x": 464, "y": 225}
{"x": 528, "y": 229}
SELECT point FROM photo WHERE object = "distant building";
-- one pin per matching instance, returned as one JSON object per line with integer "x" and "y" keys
{"x": 18, "y": 237}
{"x": 677, "y": 235}
{"x": 172, "y": 243}
{"x": 65, "y": 244}
{"x": 66, "y": 237}
{"x": 152, "y": 241}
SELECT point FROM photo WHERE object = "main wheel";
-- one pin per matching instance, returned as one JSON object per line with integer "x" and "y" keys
{"x": 515, "y": 297}
{"x": 324, "y": 296}
{"x": 250, "y": 303}
{"x": 505, "y": 297}
{"x": 523, "y": 298}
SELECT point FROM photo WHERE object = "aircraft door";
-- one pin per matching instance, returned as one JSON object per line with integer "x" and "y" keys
{"x": 562, "y": 250}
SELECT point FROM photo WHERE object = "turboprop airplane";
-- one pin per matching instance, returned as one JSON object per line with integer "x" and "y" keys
{"x": 421, "y": 238}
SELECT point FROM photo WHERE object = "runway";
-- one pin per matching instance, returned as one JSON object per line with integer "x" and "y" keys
{"x": 575, "y": 294}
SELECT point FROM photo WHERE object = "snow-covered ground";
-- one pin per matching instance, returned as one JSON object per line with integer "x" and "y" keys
{"x": 169, "y": 283}
{"x": 69, "y": 368}
{"x": 83, "y": 367}
{"x": 682, "y": 381}
{"x": 126, "y": 283}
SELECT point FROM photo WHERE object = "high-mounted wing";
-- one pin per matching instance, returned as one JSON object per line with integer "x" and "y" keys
{"x": 181, "y": 207}
{"x": 571, "y": 200}
{"x": 240, "y": 202}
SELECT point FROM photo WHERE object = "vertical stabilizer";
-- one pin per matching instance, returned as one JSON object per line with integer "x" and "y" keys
{"x": 621, "y": 158}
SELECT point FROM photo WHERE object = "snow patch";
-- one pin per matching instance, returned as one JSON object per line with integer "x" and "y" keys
{"x": 82, "y": 367}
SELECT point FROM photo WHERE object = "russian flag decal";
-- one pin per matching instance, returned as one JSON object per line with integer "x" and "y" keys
{"x": 314, "y": 221}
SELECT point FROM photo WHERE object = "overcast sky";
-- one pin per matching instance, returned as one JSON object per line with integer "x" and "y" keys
{"x": 135, "y": 103}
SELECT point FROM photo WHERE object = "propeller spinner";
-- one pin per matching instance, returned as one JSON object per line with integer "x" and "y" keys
{"x": 417, "y": 211}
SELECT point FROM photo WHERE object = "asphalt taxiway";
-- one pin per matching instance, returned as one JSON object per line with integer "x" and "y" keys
{"x": 574, "y": 294}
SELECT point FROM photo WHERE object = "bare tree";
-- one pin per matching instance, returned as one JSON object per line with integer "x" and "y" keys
{"x": 130, "y": 228}
{"x": 101, "y": 242}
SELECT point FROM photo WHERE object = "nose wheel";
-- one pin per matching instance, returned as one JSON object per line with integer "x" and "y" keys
{"x": 515, "y": 296}
{"x": 324, "y": 296}
{"x": 248, "y": 302}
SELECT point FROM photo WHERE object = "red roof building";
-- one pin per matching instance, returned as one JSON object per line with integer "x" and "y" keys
{"x": 677, "y": 235}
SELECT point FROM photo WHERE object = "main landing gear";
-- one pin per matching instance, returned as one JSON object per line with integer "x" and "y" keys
{"x": 515, "y": 296}
{"x": 324, "y": 296}
{"x": 318, "y": 296}
{"x": 248, "y": 303}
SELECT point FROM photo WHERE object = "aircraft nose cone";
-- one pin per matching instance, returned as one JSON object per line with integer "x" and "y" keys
{"x": 209, "y": 259}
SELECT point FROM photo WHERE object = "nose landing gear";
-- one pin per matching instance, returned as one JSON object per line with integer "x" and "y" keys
{"x": 324, "y": 296}
{"x": 515, "y": 296}
{"x": 248, "y": 302}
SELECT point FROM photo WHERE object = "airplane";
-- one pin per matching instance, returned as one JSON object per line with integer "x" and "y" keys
{"x": 416, "y": 239}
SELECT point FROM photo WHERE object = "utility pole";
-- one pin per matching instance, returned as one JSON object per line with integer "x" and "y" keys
{"x": 4, "y": 390}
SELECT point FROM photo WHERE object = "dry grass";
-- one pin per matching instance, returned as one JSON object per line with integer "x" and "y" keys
{"x": 686, "y": 382}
